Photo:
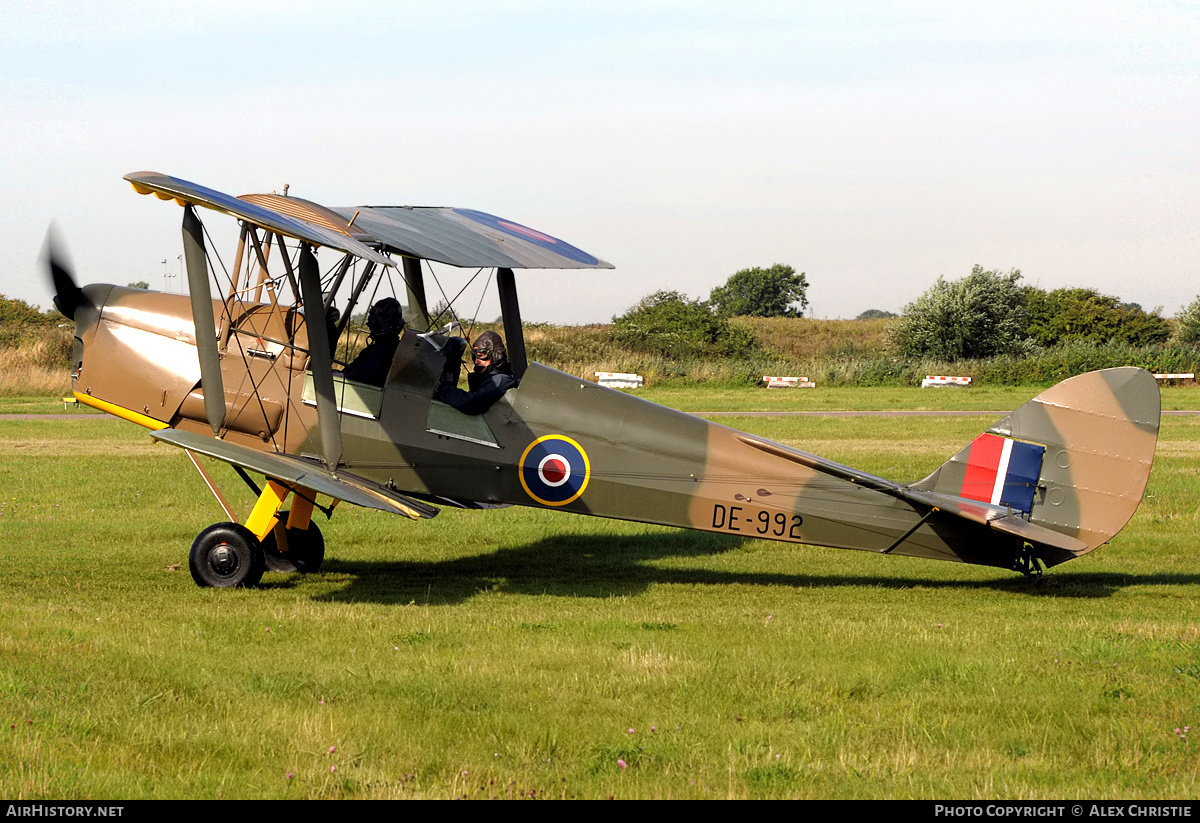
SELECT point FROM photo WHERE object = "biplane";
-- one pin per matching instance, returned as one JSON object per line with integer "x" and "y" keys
{"x": 247, "y": 370}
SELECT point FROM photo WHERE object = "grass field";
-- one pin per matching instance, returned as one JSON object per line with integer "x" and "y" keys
{"x": 520, "y": 653}
{"x": 701, "y": 398}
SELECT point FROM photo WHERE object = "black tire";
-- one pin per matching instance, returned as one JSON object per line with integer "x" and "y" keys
{"x": 306, "y": 549}
{"x": 226, "y": 555}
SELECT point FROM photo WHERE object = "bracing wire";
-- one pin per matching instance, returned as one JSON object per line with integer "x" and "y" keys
{"x": 228, "y": 317}
{"x": 482, "y": 295}
{"x": 450, "y": 302}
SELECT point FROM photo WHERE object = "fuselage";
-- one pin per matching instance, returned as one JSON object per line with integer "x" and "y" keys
{"x": 555, "y": 441}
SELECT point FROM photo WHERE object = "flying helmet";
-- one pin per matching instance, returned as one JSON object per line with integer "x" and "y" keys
{"x": 491, "y": 345}
{"x": 385, "y": 317}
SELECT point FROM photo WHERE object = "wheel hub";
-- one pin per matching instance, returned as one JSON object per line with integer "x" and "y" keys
{"x": 222, "y": 560}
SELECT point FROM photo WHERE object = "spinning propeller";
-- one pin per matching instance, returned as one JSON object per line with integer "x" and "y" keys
{"x": 68, "y": 297}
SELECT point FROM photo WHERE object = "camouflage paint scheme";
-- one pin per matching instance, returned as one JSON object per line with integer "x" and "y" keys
{"x": 559, "y": 442}
{"x": 646, "y": 462}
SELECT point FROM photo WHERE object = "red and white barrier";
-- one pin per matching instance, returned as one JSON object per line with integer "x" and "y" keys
{"x": 935, "y": 381}
{"x": 1188, "y": 376}
{"x": 787, "y": 382}
{"x": 619, "y": 380}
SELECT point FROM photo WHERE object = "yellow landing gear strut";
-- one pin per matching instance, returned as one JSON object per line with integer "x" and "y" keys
{"x": 291, "y": 541}
{"x": 265, "y": 516}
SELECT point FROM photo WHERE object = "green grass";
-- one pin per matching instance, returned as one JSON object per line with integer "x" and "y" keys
{"x": 42, "y": 405}
{"x": 518, "y": 652}
{"x": 699, "y": 398}
{"x": 723, "y": 398}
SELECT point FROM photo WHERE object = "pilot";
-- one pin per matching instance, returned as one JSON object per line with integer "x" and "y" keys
{"x": 385, "y": 323}
{"x": 491, "y": 378}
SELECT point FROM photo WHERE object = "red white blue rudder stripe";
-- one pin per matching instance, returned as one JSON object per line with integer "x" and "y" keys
{"x": 1003, "y": 471}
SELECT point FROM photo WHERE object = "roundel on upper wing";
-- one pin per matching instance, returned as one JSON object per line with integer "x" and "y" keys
{"x": 555, "y": 470}
{"x": 534, "y": 236}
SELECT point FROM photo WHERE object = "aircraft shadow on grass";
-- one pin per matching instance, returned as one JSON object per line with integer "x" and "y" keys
{"x": 598, "y": 566}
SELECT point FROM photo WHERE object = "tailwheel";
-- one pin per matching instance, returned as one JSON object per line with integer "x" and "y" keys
{"x": 1027, "y": 562}
{"x": 305, "y": 548}
{"x": 226, "y": 555}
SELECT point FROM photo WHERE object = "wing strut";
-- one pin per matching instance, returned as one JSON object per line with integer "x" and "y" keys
{"x": 418, "y": 311}
{"x": 203, "y": 320}
{"x": 514, "y": 335}
{"x": 354, "y": 295}
{"x": 337, "y": 280}
{"x": 319, "y": 359}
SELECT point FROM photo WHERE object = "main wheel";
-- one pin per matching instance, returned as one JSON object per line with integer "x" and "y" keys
{"x": 226, "y": 555}
{"x": 306, "y": 549}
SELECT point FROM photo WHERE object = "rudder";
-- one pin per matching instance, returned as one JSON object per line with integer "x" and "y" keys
{"x": 1075, "y": 459}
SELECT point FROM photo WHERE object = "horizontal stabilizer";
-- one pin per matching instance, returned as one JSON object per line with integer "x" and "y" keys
{"x": 297, "y": 471}
{"x": 1000, "y": 518}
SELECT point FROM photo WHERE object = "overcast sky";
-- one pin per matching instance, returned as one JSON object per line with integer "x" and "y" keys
{"x": 874, "y": 146}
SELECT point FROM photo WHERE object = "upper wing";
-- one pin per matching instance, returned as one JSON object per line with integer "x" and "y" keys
{"x": 465, "y": 237}
{"x": 459, "y": 237}
{"x": 184, "y": 192}
{"x": 297, "y": 471}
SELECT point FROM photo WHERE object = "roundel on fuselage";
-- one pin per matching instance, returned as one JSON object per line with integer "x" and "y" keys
{"x": 555, "y": 470}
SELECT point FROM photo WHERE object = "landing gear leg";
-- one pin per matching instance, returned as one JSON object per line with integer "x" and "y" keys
{"x": 297, "y": 546}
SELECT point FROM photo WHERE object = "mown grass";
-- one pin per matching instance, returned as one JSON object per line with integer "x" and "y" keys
{"x": 51, "y": 404}
{"x": 723, "y": 398}
{"x": 522, "y": 653}
{"x": 699, "y": 398}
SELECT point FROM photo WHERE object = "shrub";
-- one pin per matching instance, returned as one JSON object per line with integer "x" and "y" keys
{"x": 14, "y": 313}
{"x": 1187, "y": 323}
{"x": 666, "y": 323}
{"x": 1086, "y": 315}
{"x": 980, "y": 315}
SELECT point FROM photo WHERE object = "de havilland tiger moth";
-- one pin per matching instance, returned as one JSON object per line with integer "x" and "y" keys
{"x": 249, "y": 369}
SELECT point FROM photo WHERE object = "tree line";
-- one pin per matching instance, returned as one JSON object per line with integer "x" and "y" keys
{"x": 985, "y": 314}
{"x": 989, "y": 313}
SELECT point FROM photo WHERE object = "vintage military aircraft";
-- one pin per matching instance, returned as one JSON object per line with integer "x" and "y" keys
{"x": 244, "y": 378}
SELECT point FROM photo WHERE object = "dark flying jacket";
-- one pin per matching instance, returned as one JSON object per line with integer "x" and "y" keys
{"x": 486, "y": 387}
{"x": 374, "y": 362}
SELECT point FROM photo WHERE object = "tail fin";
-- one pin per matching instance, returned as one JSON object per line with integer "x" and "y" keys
{"x": 1075, "y": 459}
